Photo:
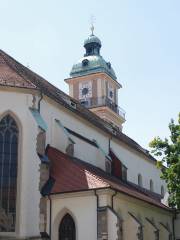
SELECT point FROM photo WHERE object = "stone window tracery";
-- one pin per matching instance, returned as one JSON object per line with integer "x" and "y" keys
{"x": 8, "y": 173}
{"x": 67, "y": 230}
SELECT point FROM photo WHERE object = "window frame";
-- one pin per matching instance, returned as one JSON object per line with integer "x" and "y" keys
{"x": 19, "y": 176}
{"x": 67, "y": 215}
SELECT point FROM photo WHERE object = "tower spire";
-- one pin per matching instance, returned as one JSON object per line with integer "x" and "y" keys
{"x": 92, "y": 29}
{"x": 92, "y": 25}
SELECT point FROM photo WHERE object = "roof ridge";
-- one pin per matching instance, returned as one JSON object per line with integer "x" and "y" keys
{"x": 8, "y": 62}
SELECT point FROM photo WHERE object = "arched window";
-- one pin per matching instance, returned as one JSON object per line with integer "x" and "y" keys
{"x": 162, "y": 191}
{"x": 8, "y": 173}
{"x": 108, "y": 166}
{"x": 67, "y": 230}
{"x": 151, "y": 185}
{"x": 140, "y": 180}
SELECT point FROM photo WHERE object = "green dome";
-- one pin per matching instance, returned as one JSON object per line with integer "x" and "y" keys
{"x": 92, "y": 39}
{"x": 92, "y": 64}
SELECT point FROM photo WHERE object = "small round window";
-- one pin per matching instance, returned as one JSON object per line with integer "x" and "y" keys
{"x": 85, "y": 62}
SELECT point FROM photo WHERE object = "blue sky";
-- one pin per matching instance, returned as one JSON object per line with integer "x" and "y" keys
{"x": 140, "y": 38}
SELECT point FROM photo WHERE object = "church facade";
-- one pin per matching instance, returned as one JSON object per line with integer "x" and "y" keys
{"x": 67, "y": 170}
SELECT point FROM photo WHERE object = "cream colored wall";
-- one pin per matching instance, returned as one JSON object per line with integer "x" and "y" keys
{"x": 28, "y": 163}
{"x": 177, "y": 226}
{"x": 163, "y": 233}
{"x": 133, "y": 229}
{"x": 83, "y": 150}
{"x": 81, "y": 208}
{"x": 56, "y": 137}
{"x": 112, "y": 225}
{"x": 149, "y": 231}
{"x": 124, "y": 204}
{"x": 137, "y": 164}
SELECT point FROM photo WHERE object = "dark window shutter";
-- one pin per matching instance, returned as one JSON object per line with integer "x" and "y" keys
{"x": 116, "y": 165}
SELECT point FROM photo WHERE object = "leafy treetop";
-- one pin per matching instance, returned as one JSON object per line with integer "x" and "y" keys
{"x": 169, "y": 153}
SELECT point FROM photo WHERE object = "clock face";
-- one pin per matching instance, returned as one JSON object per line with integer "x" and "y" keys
{"x": 85, "y": 90}
{"x": 111, "y": 93}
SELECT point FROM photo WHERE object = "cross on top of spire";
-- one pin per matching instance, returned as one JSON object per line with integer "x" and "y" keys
{"x": 92, "y": 29}
{"x": 92, "y": 25}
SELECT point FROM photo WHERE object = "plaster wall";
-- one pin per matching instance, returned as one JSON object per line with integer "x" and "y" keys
{"x": 138, "y": 165}
{"x": 149, "y": 231}
{"x": 124, "y": 204}
{"x": 82, "y": 209}
{"x": 133, "y": 225}
{"x": 163, "y": 233}
{"x": 57, "y": 138}
{"x": 93, "y": 153}
{"x": 112, "y": 225}
{"x": 177, "y": 226}
{"x": 17, "y": 104}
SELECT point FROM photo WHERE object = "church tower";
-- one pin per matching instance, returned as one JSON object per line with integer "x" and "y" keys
{"x": 93, "y": 82}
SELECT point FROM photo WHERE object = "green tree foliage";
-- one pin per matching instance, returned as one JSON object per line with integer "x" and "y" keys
{"x": 169, "y": 153}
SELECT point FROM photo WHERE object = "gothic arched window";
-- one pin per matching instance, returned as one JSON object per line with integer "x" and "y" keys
{"x": 67, "y": 230}
{"x": 8, "y": 173}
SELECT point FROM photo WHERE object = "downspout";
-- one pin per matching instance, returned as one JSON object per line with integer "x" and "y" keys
{"x": 39, "y": 102}
{"x": 110, "y": 143}
{"x": 173, "y": 224}
{"x": 112, "y": 200}
{"x": 97, "y": 206}
{"x": 50, "y": 217}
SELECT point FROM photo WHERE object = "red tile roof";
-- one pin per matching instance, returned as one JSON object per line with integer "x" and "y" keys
{"x": 71, "y": 174}
{"x": 9, "y": 77}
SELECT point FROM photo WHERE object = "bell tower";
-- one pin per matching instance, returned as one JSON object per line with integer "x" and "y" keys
{"x": 93, "y": 82}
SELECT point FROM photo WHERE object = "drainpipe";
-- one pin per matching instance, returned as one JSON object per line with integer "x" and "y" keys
{"x": 97, "y": 204}
{"x": 39, "y": 102}
{"x": 110, "y": 143}
{"x": 112, "y": 199}
{"x": 173, "y": 223}
{"x": 50, "y": 217}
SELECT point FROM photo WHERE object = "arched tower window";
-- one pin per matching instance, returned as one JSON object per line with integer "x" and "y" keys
{"x": 8, "y": 173}
{"x": 67, "y": 230}
{"x": 151, "y": 185}
{"x": 140, "y": 180}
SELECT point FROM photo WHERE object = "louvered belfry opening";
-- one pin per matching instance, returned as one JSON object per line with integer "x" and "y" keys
{"x": 67, "y": 230}
{"x": 8, "y": 173}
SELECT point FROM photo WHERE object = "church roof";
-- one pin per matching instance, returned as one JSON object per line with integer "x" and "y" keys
{"x": 72, "y": 175}
{"x": 9, "y": 76}
{"x": 92, "y": 62}
{"x": 92, "y": 39}
{"x": 95, "y": 64}
{"x": 14, "y": 74}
